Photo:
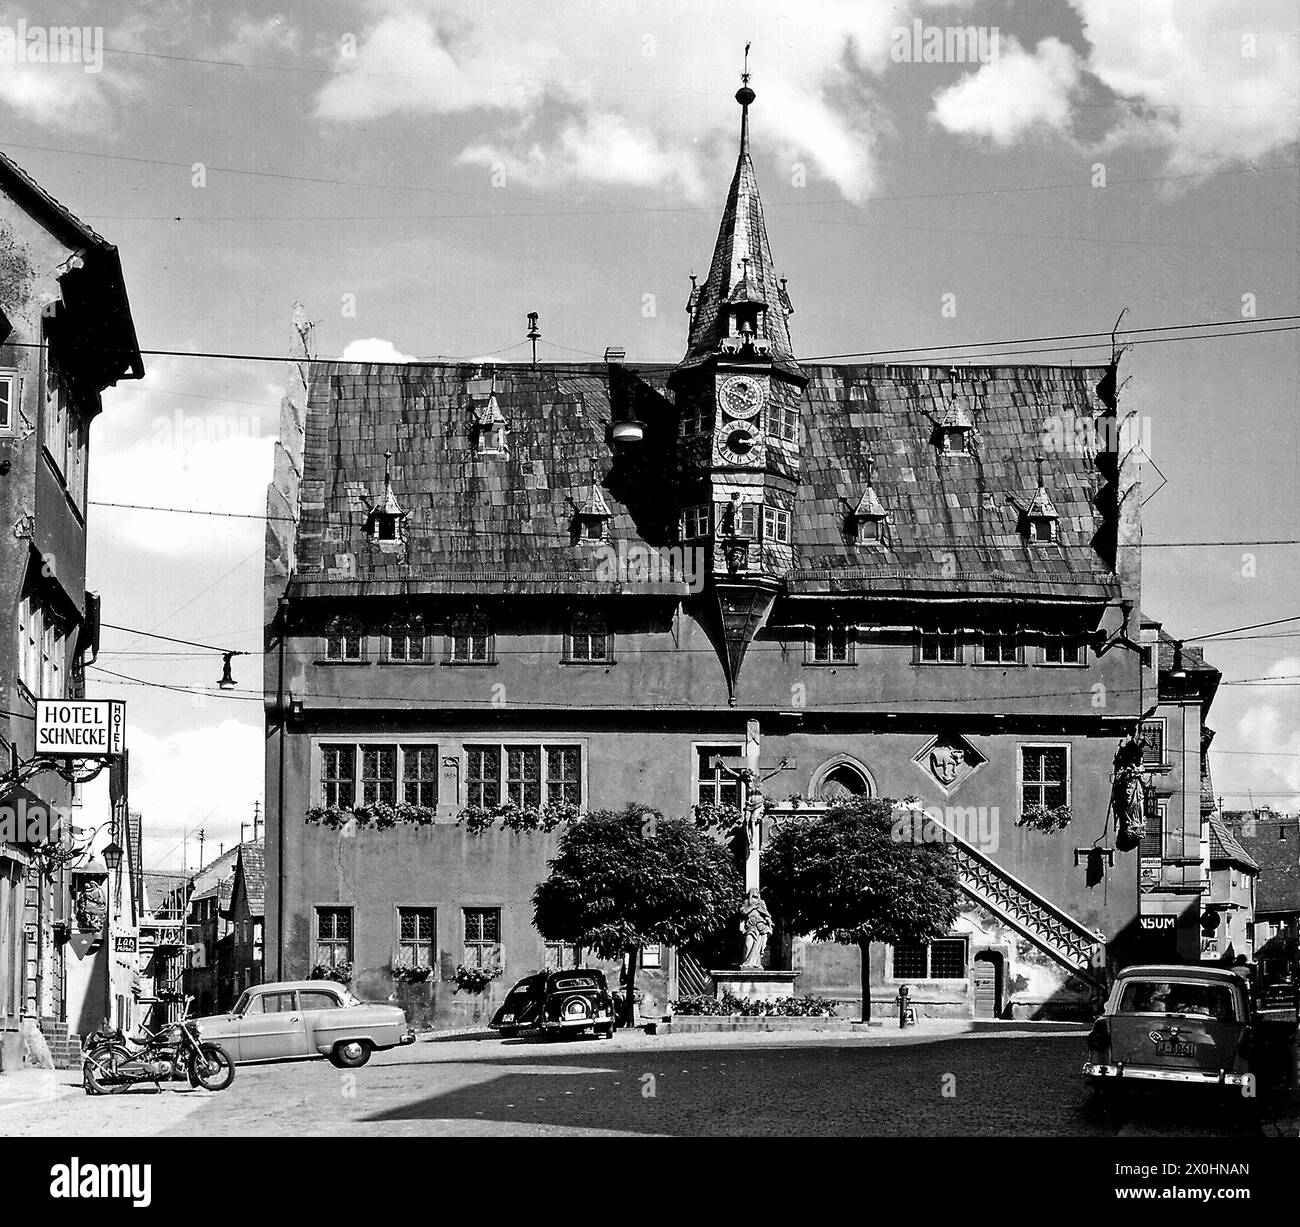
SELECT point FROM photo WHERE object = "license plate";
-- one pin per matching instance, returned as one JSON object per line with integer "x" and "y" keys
{"x": 1175, "y": 1048}
{"x": 507, "y": 1018}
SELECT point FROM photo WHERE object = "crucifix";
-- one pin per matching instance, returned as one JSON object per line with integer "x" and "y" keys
{"x": 751, "y": 778}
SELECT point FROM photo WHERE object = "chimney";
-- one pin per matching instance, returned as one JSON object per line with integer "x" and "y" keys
{"x": 615, "y": 353}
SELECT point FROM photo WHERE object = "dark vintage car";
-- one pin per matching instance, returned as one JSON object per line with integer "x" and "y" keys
{"x": 1174, "y": 1024}
{"x": 558, "y": 1002}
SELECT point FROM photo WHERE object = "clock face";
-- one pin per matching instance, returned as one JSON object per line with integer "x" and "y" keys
{"x": 738, "y": 443}
{"x": 741, "y": 396}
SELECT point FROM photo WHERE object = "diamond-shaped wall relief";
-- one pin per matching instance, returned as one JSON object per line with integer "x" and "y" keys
{"x": 949, "y": 760}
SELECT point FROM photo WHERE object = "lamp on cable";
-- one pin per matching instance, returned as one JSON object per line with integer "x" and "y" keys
{"x": 227, "y": 682}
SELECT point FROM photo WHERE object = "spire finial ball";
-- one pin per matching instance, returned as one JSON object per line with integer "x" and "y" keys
{"x": 745, "y": 95}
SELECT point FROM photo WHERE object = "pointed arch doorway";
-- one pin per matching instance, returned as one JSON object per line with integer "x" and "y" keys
{"x": 841, "y": 779}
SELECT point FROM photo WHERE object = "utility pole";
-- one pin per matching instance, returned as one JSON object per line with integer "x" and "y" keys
{"x": 202, "y": 837}
{"x": 257, "y": 820}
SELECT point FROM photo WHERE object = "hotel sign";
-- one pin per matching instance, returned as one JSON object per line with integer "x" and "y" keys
{"x": 84, "y": 728}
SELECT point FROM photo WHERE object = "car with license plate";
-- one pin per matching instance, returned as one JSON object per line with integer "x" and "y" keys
{"x": 1173, "y": 1025}
{"x": 302, "y": 1019}
{"x": 558, "y": 1003}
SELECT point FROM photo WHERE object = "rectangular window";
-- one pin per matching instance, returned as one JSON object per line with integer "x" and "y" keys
{"x": 417, "y": 929}
{"x": 8, "y": 401}
{"x": 1044, "y": 777}
{"x": 343, "y": 641}
{"x": 51, "y": 661}
{"x": 420, "y": 775}
{"x": 524, "y": 776}
{"x": 378, "y": 775}
{"x": 560, "y": 957}
{"x": 338, "y": 776}
{"x": 470, "y": 642}
{"x": 1065, "y": 650}
{"x": 406, "y": 642}
{"x": 785, "y": 422}
{"x": 713, "y": 785}
{"x": 999, "y": 648}
{"x": 696, "y": 522}
{"x": 831, "y": 645}
{"x": 30, "y": 636}
{"x": 944, "y": 959}
{"x": 589, "y": 639}
{"x": 1153, "y": 841}
{"x": 939, "y": 647}
{"x": 776, "y": 525}
{"x": 1152, "y": 736}
{"x": 482, "y": 937}
{"x": 1042, "y": 528}
{"x": 563, "y": 775}
{"x": 651, "y": 955}
{"x": 483, "y": 775}
{"x": 333, "y": 936}
{"x": 868, "y": 529}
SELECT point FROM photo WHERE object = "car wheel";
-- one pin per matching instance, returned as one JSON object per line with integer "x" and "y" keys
{"x": 350, "y": 1054}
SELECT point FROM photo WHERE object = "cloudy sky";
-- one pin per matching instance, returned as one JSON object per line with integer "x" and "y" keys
{"x": 422, "y": 174}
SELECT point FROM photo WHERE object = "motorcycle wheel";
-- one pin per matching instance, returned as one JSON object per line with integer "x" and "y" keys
{"x": 94, "y": 1079}
{"x": 212, "y": 1069}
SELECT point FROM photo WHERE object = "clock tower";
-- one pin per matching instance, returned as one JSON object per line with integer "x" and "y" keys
{"x": 739, "y": 392}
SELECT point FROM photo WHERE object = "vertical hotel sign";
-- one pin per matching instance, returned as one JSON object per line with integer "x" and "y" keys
{"x": 81, "y": 728}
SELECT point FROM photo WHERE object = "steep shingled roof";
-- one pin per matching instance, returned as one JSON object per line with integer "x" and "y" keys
{"x": 1224, "y": 846}
{"x": 1273, "y": 842}
{"x": 253, "y": 863}
{"x": 501, "y": 523}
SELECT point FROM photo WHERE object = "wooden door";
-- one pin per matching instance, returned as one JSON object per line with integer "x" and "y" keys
{"x": 988, "y": 988}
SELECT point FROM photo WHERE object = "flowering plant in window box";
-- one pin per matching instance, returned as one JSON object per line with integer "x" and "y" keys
{"x": 378, "y": 816}
{"x": 340, "y": 973}
{"x": 407, "y": 972}
{"x": 474, "y": 979}
{"x": 1045, "y": 818}
{"x": 711, "y": 817}
{"x": 510, "y": 817}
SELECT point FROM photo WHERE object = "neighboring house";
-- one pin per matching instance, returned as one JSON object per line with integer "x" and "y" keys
{"x": 208, "y": 938}
{"x": 66, "y": 334}
{"x": 1175, "y": 755}
{"x": 1272, "y": 841}
{"x": 162, "y": 945}
{"x": 582, "y": 584}
{"x": 1228, "y": 928}
{"x": 246, "y": 914}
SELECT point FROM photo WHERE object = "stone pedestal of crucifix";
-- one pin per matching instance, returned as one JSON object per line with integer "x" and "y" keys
{"x": 752, "y": 979}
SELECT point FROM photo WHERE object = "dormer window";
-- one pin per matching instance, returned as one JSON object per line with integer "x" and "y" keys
{"x": 953, "y": 433}
{"x": 1040, "y": 520}
{"x": 869, "y": 516}
{"x": 591, "y": 520}
{"x": 490, "y": 427}
{"x": 384, "y": 523}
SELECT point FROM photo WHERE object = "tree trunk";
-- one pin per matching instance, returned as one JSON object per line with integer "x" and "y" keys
{"x": 865, "y": 948}
{"x": 629, "y": 988}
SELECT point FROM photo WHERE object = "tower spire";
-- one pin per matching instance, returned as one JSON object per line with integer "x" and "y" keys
{"x": 742, "y": 279}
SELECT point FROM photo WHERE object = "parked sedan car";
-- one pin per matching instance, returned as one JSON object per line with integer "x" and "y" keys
{"x": 1172, "y": 1024}
{"x": 306, "y": 1018}
{"x": 556, "y": 1002}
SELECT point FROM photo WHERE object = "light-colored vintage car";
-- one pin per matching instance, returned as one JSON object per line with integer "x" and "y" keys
{"x": 296, "y": 1019}
{"x": 1172, "y": 1024}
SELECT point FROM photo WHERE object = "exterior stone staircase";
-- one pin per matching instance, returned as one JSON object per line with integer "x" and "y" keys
{"x": 1056, "y": 933}
{"x": 64, "y": 1048}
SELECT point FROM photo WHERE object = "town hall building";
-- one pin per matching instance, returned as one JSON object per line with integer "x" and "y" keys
{"x": 580, "y": 585}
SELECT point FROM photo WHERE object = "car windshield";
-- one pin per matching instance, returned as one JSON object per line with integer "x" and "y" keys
{"x": 1171, "y": 997}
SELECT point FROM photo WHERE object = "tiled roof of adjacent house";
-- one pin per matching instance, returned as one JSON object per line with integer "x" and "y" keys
{"x": 254, "y": 863}
{"x": 1273, "y": 841}
{"x": 501, "y": 523}
{"x": 1224, "y": 845}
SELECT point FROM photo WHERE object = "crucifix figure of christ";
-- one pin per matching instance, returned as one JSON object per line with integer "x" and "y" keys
{"x": 755, "y": 923}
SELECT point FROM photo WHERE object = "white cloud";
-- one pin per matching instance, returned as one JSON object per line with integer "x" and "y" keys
{"x": 1014, "y": 94}
{"x": 1215, "y": 82}
{"x": 1270, "y": 731}
{"x": 373, "y": 349}
{"x": 610, "y": 93}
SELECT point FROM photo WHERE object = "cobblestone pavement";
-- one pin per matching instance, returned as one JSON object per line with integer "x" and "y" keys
{"x": 917, "y": 1084}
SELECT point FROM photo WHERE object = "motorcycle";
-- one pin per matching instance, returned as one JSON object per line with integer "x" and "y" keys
{"x": 175, "y": 1052}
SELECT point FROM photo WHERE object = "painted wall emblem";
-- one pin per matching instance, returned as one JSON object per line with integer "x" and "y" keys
{"x": 949, "y": 760}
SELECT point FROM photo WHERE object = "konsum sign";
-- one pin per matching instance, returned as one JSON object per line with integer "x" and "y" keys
{"x": 81, "y": 728}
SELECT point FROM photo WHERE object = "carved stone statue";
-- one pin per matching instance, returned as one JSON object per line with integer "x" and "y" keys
{"x": 90, "y": 905}
{"x": 755, "y": 925}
